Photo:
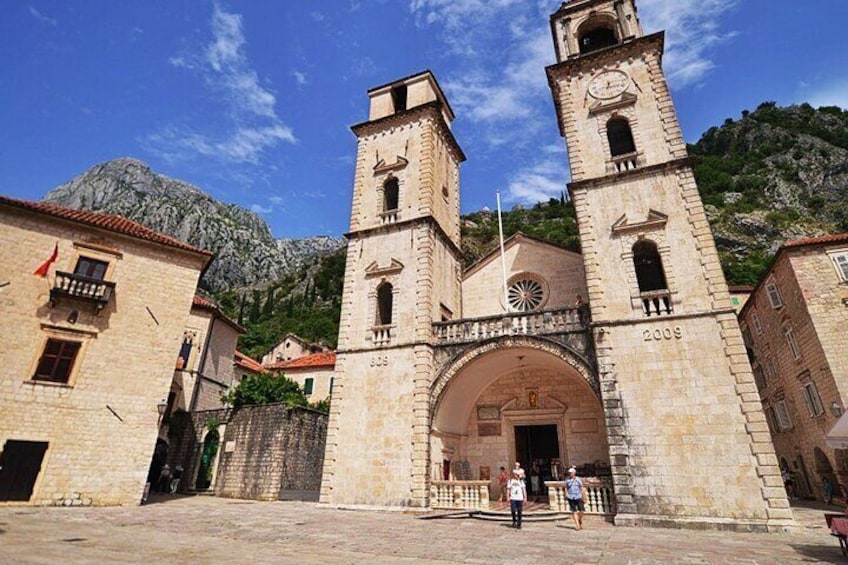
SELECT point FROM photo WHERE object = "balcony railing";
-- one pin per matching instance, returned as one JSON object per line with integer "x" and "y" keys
{"x": 381, "y": 335}
{"x": 624, "y": 163}
{"x": 459, "y": 494}
{"x": 389, "y": 217}
{"x": 600, "y": 497}
{"x": 517, "y": 323}
{"x": 656, "y": 303}
{"x": 69, "y": 285}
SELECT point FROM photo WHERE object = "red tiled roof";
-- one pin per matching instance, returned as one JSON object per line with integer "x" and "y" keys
{"x": 246, "y": 362}
{"x": 110, "y": 222}
{"x": 825, "y": 239}
{"x": 741, "y": 288}
{"x": 205, "y": 304}
{"x": 323, "y": 359}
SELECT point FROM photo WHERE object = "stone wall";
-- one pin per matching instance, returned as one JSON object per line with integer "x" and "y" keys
{"x": 265, "y": 452}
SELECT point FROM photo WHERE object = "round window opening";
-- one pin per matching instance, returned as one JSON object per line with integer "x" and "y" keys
{"x": 525, "y": 294}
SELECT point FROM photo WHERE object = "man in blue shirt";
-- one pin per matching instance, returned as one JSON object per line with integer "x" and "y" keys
{"x": 574, "y": 492}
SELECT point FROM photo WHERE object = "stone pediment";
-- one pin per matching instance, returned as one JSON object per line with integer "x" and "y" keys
{"x": 375, "y": 270}
{"x": 626, "y": 99}
{"x": 655, "y": 220}
{"x": 383, "y": 167}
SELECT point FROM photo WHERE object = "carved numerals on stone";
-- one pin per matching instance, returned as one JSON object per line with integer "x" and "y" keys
{"x": 661, "y": 334}
{"x": 380, "y": 361}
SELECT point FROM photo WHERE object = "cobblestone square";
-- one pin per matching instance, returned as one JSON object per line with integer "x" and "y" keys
{"x": 215, "y": 530}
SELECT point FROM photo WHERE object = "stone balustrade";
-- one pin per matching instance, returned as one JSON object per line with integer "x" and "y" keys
{"x": 459, "y": 494}
{"x": 516, "y": 323}
{"x": 598, "y": 493}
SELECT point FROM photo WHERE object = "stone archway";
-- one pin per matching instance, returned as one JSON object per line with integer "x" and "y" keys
{"x": 491, "y": 397}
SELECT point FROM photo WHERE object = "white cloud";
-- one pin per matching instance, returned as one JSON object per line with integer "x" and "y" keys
{"x": 300, "y": 78}
{"x": 539, "y": 182}
{"x": 692, "y": 29}
{"x": 41, "y": 17}
{"x": 832, "y": 94}
{"x": 259, "y": 209}
{"x": 250, "y": 124}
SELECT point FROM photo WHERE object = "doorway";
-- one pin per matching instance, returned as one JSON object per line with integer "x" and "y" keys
{"x": 20, "y": 464}
{"x": 537, "y": 449}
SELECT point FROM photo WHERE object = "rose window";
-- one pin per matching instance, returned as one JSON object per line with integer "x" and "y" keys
{"x": 525, "y": 295}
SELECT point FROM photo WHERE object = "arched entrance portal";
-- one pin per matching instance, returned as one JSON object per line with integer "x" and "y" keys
{"x": 517, "y": 399}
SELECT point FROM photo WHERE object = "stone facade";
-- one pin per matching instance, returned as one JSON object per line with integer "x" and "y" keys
{"x": 98, "y": 427}
{"x": 263, "y": 452}
{"x": 290, "y": 348}
{"x": 645, "y": 379}
{"x": 803, "y": 386}
{"x": 688, "y": 443}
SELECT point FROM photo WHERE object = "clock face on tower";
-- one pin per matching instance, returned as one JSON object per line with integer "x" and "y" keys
{"x": 608, "y": 84}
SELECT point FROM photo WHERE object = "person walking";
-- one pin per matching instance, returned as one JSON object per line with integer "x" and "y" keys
{"x": 574, "y": 492}
{"x": 517, "y": 496}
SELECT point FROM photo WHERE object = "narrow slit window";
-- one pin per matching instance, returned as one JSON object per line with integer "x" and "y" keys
{"x": 620, "y": 137}
{"x": 384, "y": 304}
{"x": 391, "y": 195}
{"x": 399, "y": 98}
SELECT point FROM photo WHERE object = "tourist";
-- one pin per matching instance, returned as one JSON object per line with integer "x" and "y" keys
{"x": 582, "y": 310}
{"x": 574, "y": 492}
{"x": 517, "y": 469}
{"x": 164, "y": 482}
{"x": 517, "y": 496}
{"x": 503, "y": 479}
{"x": 828, "y": 490}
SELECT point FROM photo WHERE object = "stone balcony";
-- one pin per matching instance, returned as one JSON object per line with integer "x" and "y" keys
{"x": 69, "y": 285}
{"x": 552, "y": 322}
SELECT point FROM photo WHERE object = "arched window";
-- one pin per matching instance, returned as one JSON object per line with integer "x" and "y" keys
{"x": 649, "y": 269}
{"x": 620, "y": 137}
{"x": 597, "y": 38}
{"x": 391, "y": 194}
{"x": 384, "y": 304}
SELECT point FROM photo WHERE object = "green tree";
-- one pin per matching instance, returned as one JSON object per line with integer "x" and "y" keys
{"x": 266, "y": 388}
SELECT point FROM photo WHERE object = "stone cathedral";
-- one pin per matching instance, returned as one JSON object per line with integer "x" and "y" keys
{"x": 442, "y": 377}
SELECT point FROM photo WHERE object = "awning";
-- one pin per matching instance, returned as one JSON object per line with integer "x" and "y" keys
{"x": 837, "y": 437}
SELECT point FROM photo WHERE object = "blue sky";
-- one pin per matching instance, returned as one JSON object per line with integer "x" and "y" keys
{"x": 252, "y": 101}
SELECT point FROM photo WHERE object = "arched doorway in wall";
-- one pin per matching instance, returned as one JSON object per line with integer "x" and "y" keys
{"x": 517, "y": 399}
{"x": 207, "y": 459}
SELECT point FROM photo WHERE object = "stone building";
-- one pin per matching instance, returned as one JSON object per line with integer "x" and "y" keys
{"x": 291, "y": 347}
{"x": 314, "y": 373}
{"x": 88, "y": 350}
{"x": 244, "y": 366}
{"x": 794, "y": 326}
{"x": 643, "y": 383}
{"x": 206, "y": 360}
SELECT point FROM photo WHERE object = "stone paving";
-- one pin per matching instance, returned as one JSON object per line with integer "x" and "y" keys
{"x": 213, "y": 530}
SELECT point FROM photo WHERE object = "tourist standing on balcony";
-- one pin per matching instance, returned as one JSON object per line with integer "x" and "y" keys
{"x": 517, "y": 496}
{"x": 582, "y": 310}
{"x": 574, "y": 492}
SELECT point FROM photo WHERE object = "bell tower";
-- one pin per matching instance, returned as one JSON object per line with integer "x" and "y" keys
{"x": 402, "y": 274}
{"x": 689, "y": 444}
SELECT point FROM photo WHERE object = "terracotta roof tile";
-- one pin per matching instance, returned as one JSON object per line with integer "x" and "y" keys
{"x": 246, "y": 362}
{"x": 110, "y": 222}
{"x": 323, "y": 359}
{"x": 825, "y": 239}
{"x": 205, "y": 304}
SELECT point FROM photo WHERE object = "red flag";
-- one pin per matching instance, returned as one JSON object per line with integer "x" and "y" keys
{"x": 42, "y": 270}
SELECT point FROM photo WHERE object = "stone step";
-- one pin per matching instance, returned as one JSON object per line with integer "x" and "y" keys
{"x": 536, "y": 516}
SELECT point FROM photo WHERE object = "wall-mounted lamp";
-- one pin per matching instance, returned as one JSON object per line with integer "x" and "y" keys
{"x": 73, "y": 317}
{"x": 162, "y": 407}
{"x": 836, "y": 409}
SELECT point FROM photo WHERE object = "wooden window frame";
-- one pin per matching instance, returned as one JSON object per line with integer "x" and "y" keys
{"x": 69, "y": 351}
{"x": 773, "y": 293}
{"x": 308, "y": 385}
{"x": 792, "y": 341}
{"x": 812, "y": 399}
{"x": 784, "y": 422}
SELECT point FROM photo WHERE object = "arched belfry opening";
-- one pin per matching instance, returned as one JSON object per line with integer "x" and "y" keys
{"x": 649, "y": 269}
{"x": 620, "y": 137}
{"x": 384, "y": 304}
{"x": 391, "y": 195}
{"x": 597, "y": 34}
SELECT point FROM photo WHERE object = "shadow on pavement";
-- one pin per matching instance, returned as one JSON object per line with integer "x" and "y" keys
{"x": 160, "y": 498}
{"x": 825, "y": 553}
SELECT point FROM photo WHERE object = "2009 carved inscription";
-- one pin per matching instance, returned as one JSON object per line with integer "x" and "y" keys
{"x": 660, "y": 334}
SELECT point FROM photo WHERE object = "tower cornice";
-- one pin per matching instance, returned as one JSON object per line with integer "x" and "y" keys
{"x": 633, "y": 173}
{"x": 430, "y": 109}
{"x": 404, "y": 225}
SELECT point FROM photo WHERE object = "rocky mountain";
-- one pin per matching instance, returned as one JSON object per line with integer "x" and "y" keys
{"x": 775, "y": 175}
{"x": 245, "y": 251}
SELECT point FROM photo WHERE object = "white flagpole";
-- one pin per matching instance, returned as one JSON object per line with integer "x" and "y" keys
{"x": 503, "y": 258}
